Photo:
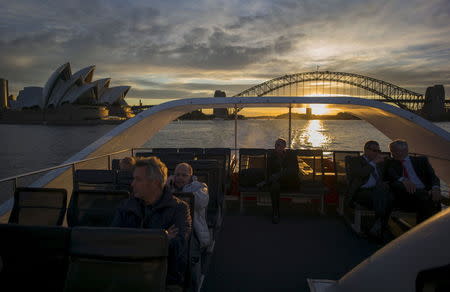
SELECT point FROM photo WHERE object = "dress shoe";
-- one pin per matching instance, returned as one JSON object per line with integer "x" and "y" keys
{"x": 275, "y": 219}
{"x": 376, "y": 230}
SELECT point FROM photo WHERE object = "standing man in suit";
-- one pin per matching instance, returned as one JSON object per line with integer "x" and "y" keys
{"x": 283, "y": 173}
{"x": 413, "y": 182}
{"x": 366, "y": 186}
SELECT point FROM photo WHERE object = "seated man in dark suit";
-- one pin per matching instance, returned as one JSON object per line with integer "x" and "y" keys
{"x": 413, "y": 182}
{"x": 283, "y": 173}
{"x": 366, "y": 186}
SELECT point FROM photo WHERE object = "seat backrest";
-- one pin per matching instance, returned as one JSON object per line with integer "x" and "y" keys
{"x": 144, "y": 154}
{"x": 94, "y": 179}
{"x": 310, "y": 164}
{"x": 33, "y": 256}
{"x": 115, "y": 164}
{"x": 212, "y": 168}
{"x": 179, "y": 156}
{"x": 339, "y": 162}
{"x": 203, "y": 176}
{"x": 189, "y": 198}
{"x": 170, "y": 157}
{"x": 39, "y": 206}
{"x": 94, "y": 207}
{"x": 252, "y": 166}
{"x": 198, "y": 152}
{"x": 164, "y": 150}
{"x": 123, "y": 180}
{"x": 117, "y": 259}
{"x": 222, "y": 155}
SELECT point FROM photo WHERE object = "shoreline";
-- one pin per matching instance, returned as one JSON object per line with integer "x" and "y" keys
{"x": 63, "y": 123}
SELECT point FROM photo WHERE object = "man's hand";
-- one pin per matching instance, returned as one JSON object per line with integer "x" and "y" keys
{"x": 435, "y": 194}
{"x": 409, "y": 186}
{"x": 172, "y": 232}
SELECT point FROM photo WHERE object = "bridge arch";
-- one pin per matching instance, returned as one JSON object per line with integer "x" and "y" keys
{"x": 402, "y": 97}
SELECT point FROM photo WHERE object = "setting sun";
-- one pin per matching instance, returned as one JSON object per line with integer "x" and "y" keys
{"x": 319, "y": 109}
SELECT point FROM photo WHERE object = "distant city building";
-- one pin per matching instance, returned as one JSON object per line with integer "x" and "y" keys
{"x": 434, "y": 107}
{"x": 220, "y": 113}
{"x": 63, "y": 87}
{"x": 4, "y": 94}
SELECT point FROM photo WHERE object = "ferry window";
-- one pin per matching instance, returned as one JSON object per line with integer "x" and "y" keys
{"x": 434, "y": 280}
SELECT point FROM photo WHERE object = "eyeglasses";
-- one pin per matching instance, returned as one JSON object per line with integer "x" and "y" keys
{"x": 375, "y": 150}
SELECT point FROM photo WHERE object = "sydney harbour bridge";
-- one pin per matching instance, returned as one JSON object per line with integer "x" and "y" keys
{"x": 338, "y": 83}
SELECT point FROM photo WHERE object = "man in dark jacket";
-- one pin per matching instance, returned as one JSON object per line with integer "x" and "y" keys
{"x": 153, "y": 206}
{"x": 366, "y": 186}
{"x": 413, "y": 182}
{"x": 283, "y": 173}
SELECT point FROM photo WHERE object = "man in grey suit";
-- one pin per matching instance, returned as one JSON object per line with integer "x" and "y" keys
{"x": 366, "y": 186}
{"x": 413, "y": 182}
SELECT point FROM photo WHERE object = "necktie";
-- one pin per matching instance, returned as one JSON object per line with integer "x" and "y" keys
{"x": 375, "y": 174}
{"x": 405, "y": 172}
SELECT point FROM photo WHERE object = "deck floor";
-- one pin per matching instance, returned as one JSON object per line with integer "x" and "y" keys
{"x": 252, "y": 254}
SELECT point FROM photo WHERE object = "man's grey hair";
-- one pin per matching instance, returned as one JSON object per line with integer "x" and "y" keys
{"x": 187, "y": 165}
{"x": 155, "y": 169}
{"x": 401, "y": 144}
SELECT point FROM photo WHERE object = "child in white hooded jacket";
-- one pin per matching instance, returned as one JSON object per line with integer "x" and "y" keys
{"x": 184, "y": 181}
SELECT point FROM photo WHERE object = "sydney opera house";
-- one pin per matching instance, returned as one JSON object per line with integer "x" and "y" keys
{"x": 68, "y": 96}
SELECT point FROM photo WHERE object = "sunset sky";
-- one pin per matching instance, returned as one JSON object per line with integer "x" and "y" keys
{"x": 174, "y": 49}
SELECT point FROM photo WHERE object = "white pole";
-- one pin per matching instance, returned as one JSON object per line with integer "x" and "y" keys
{"x": 290, "y": 126}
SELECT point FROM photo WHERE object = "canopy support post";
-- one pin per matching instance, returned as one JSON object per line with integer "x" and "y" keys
{"x": 235, "y": 129}
{"x": 290, "y": 127}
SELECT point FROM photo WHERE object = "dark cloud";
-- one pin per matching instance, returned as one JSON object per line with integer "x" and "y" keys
{"x": 403, "y": 42}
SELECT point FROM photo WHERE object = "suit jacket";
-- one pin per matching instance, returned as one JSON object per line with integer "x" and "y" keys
{"x": 358, "y": 173}
{"x": 422, "y": 167}
{"x": 276, "y": 163}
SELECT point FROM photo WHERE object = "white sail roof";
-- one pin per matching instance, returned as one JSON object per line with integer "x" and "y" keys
{"x": 86, "y": 91}
{"x": 64, "y": 87}
{"x": 57, "y": 96}
{"x": 63, "y": 73}
{"x": 102, "y": 85}
{"x": 114, "y": 94}
{"x": 87, "y": 73}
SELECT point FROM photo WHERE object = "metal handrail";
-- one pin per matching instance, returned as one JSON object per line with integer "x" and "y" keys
{"x": 62, "y": 165}
{"x": 132, "y": 151}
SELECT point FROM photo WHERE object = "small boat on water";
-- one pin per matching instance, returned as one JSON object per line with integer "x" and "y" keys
{"x": 248, "y": 253}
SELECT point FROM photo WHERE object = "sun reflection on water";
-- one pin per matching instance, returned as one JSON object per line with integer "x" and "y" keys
{"x": 312, "y": 136}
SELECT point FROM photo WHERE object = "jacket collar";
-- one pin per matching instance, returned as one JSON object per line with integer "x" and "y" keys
{"x": 137, "y": 206}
